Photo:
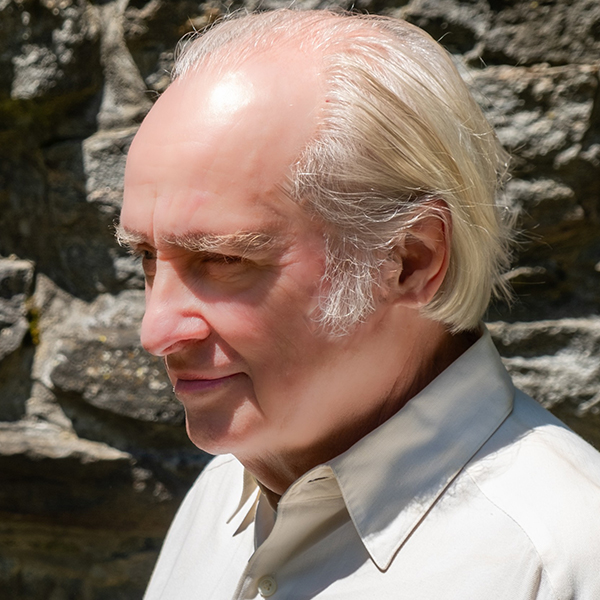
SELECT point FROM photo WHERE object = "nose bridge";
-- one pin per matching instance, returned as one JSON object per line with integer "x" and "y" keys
{"x": 173, "y": 315}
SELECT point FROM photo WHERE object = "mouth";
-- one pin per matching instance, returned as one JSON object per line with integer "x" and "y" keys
{"x": 193, "y": 386}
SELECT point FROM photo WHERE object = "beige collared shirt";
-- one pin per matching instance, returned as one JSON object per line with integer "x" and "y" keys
{"x": 471, "y": 492}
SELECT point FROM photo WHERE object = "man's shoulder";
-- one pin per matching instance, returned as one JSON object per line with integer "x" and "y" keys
{"x": 222, "y": 471}
{"x": 545, "y": 479}
{"x": 539, "y": 448}
{"x": 216, "y": 492}
{"x": 204, "y": 521}
{"x": 224, "y": 464}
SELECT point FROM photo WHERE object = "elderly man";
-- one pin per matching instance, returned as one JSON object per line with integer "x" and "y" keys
{"x": 313, "y": 200}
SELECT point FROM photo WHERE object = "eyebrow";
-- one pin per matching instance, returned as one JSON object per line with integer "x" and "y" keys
{"x": 243, "y": 242}
{"x": 127, "y": 237}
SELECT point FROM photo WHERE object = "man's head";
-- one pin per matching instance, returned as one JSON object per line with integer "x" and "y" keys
{"x": 397, "y": 129}
{"x": 308, "y": 174}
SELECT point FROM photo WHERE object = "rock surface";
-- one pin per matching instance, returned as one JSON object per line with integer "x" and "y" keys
{"x": 94, "y": 458}
{"x": 557, "y": 362}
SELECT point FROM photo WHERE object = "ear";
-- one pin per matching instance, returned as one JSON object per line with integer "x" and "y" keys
{"x": 423, "y": 256}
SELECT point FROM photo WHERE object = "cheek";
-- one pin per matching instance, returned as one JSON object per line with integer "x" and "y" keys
{"x": 276, "y": 337}
{"x": 281, "y": 309}
{"x": 277, "y": 329}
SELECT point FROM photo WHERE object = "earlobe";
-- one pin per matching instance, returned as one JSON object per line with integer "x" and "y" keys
{"x": 423, "y": 257}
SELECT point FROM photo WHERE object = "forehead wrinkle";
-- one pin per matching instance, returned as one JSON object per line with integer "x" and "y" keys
{"x": 242, "y": 242}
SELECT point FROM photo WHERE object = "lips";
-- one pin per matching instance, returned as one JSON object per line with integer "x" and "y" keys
{"x": 190, "y": 385}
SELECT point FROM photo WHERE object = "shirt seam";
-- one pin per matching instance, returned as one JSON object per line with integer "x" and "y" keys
{"x": 521, "y": 528}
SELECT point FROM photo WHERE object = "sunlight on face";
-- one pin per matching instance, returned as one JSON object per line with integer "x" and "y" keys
{"x": 230, "y": 96}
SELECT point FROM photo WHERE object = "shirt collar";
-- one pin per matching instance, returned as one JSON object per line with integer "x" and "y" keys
{"x": 247, "y": 497}
{"x": 391, "y": 478}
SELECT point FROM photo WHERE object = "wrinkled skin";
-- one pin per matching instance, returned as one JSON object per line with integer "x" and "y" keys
{"x": 233, "y": 274}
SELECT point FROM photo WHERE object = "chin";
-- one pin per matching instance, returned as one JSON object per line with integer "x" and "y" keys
{"x": 218, "y": 436}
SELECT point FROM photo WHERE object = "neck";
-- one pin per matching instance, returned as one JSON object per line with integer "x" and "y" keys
{"x": 277, "y": 471}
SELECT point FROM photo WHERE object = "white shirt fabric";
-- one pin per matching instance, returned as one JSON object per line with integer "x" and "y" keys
{"x": 471, "y": 492}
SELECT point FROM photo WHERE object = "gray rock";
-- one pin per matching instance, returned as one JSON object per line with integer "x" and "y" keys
{"x": 558, "y": 32}
{"x": 121, "y": 378}
{"x": 47, "y": 49}
{"x": 458, "y": 26}
{"x": 54, "y": 478}
{"x": 538, "y": 112}
{"x": 104, "y": 156}
{"x": 124, "y": 98}
{"x": 558, "y": 363}
{"x": 15, "y": 383}
{"x": 94, "y": 458}
{"x": 546, "y": 117}
{"x": 61, "y": 562}
{"x": 15, "y": 356}
{"x": 15, "y": 285}
{"x": 36, "y": 72}
{"x": 60, "y": 213}
{"x": 152, "y": 30}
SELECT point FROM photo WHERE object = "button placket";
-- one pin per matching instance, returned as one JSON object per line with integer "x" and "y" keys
{"x": 274, "y": 557}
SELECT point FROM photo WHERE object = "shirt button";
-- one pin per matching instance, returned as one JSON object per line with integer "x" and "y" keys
{"x": 267, "y": 586}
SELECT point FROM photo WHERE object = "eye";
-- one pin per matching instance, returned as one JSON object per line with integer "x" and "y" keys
{"x": 148, "y": 261}
{"x": 226, "y": 268}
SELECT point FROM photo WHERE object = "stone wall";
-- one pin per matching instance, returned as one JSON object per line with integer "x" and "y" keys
{"x": 93, "y": 456}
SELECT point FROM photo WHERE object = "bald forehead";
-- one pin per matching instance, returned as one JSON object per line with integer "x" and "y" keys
{"x": 280, "y": 81}
{"x": 219, "y": 146}
{"x": 260, "y": 113}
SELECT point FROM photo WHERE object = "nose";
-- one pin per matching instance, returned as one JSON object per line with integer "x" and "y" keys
{"x": 174, "y": 316}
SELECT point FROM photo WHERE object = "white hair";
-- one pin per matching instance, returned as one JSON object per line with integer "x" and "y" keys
{"x": 399, "y": 133}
